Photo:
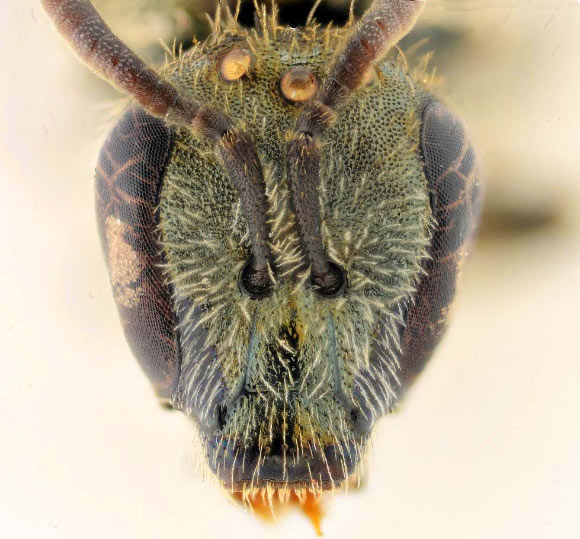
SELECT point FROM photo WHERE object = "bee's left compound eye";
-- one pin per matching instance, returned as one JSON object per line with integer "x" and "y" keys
{"x": 298, "y": 85}
{"x": 235, "y": 64}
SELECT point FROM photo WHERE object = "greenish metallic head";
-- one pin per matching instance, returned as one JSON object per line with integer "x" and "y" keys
{"x": 284, "y": 215}
{"x": 290, "y": 384}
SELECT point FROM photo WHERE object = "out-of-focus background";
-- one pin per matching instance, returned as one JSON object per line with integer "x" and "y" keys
{"x": 486, "y": 445}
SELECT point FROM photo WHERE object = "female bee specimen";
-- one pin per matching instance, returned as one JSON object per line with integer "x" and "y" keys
{"x": 283, "y": 214}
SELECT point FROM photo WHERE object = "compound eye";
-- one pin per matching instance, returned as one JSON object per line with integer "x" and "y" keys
{"x": 235, "y": 64}
{"x": 298, "y": 85}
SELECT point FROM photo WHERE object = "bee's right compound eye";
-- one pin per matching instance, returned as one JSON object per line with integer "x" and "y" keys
{"x": 254, "y": 283}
